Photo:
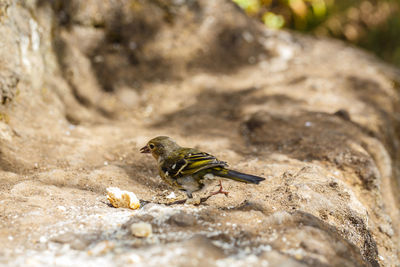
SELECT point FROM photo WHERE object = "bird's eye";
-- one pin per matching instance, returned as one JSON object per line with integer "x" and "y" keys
{"x": 151, "y": 146}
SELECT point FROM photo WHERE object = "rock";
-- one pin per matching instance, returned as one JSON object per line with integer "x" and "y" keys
{"x": 276, "y": 259}
{"x": 141, "y": 229}
{"x": 75, "y": 241}
{"x": 101, "y": 248}
{"x": 182, "y": 219}
{"x": 317, "y": 118}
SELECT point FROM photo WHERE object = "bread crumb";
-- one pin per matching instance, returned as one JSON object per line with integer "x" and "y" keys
{"x": 122, "y": 199}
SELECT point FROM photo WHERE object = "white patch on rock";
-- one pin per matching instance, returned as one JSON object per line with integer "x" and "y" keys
{"x": 102, "y": 248}
{"x": 35, "y": 37}
{"x": 5, "y": 132}
{"x": 24, "y": 47}
{"x": 171, "y": 195}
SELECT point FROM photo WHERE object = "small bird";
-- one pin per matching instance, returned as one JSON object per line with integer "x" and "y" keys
{"x": 187, "y": 168}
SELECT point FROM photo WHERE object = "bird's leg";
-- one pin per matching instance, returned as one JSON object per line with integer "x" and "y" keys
{"x": 220, "y": 191}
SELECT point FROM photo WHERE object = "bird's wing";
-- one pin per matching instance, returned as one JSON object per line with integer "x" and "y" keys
{"x": 192, "y": 163}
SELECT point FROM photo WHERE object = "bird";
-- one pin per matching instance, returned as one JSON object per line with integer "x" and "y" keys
{"x": 187, "y": 169}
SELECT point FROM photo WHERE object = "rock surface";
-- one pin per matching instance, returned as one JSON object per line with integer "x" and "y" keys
{"x": 83, "y": 86}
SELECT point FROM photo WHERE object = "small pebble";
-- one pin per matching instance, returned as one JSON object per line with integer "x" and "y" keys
{"x": 62, "y": 208}
{"x": 101, "y": 248}
{"x": 171, "y": 195}
{"x": 141, "y": 229}
{"x": 134, "y": 258}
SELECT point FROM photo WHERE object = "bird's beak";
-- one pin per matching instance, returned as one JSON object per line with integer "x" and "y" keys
{"x": 145, "y": 149}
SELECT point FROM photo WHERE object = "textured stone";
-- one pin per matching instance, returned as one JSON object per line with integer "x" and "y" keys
{"x": 182, "y": 219}
{"x": 317, "y": 118}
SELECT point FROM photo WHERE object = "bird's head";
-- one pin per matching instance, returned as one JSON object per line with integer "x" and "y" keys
{"x": 160, "y": 146}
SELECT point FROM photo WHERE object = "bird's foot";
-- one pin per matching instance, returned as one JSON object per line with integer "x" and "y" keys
{"x": 220, "y": 191}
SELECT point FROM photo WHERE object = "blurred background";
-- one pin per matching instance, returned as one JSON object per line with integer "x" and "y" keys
{"x": 370, "y": 24}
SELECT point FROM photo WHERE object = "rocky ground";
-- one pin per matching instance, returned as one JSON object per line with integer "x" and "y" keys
{"x": 84, "y": 86}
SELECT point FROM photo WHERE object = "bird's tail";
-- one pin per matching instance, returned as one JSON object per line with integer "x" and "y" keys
{"x": 237, "y": 176}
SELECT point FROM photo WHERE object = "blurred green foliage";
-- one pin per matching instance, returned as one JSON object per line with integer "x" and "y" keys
{"x": 371, "y": 24}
